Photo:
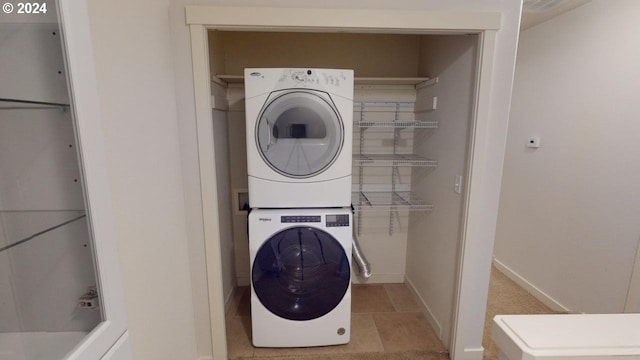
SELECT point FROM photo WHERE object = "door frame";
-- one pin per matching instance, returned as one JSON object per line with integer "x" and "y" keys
{"x": 632, "y": 303}
{"x": 78, "y": 52}
{"x": 467, "y": 323}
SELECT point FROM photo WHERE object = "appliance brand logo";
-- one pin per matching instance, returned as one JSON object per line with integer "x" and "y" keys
{"x": 264, "y": 219}
{"x": 255, "y": 73}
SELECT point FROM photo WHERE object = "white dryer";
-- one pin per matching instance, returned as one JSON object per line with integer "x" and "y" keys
{"x": 300, "y": 276}
{"x": 299, "y": 136}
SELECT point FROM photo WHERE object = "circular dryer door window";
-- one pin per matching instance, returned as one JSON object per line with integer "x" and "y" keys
{"x": 300, "y": 133}
{"x": 301, "y": 273}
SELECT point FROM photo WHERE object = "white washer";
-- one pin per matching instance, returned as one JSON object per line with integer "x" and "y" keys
{"x": 300, "y": 276}
{"x": 299, "y": 136}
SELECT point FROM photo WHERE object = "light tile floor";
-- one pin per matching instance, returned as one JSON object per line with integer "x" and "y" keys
{"x": 386, "y": 323}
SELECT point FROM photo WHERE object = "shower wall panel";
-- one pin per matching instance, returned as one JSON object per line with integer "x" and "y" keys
{"x": 45, "y": 248}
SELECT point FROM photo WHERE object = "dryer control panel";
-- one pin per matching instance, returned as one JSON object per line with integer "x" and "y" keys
{"x": 306, "y": 77}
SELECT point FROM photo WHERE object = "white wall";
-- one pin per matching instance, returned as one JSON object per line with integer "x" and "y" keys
{"x": 136, "y": 86}
{"x": 568, "y": 219}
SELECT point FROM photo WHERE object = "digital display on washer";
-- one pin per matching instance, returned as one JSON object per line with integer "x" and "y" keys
{"x": 300, "y": 219}
{"x": 337, "y": 220}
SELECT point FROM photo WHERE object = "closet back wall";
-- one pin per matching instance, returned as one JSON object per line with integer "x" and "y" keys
{"x": 370, "y": 55}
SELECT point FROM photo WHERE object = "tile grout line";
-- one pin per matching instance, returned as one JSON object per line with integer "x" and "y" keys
{"x": 390, "y": 299}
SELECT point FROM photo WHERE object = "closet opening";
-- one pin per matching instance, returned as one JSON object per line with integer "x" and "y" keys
{"x": 413, "y": 115}
{"x": 461, "y": 327}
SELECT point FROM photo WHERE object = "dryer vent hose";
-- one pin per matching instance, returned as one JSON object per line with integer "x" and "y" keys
{"x": 358, "y": 257}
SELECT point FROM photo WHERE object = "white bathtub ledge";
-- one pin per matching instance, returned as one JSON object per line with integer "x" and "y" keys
{"x": 567, "y": 336}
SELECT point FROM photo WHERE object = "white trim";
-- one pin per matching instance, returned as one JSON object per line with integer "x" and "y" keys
{"x": 545, "y": 298}
{"x": 470, "y": 354}
{"x": 121, "y": 350}
{"x": 78, "y": 48}
{"x": 433, "y": 321}
{"x": 359, "y": 20}
{"x": 465, "y": 321}
{"x": 632, "y": 303}
{"x": 208, "y": 189}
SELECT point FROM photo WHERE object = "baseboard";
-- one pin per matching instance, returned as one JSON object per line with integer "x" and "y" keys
{"x": 229, "y": 300}
{"x": 425, "y": 308}
{"x": 529, "y": 287}
{"x": 470, "y": 354}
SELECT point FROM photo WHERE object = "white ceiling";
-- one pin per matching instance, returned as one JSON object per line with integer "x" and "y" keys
{"x": 535, "y": 12}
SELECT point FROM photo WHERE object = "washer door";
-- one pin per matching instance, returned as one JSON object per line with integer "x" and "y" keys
{"x": 299, "y": 133}
{"x": 301, "y": 273}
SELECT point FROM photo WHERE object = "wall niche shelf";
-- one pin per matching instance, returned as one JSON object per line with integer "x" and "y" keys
{"x": 29, "y": 104}
{"x": 73, "y": 215}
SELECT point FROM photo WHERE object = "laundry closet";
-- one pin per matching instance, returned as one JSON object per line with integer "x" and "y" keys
{"x": 412, "y": 128}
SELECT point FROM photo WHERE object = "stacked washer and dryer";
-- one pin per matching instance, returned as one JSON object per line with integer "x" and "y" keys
{"x": 299, "y": 137}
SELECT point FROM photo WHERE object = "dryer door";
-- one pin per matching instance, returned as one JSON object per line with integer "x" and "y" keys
{"x": 299, "y": 133}
{"x": 301, "y": 273}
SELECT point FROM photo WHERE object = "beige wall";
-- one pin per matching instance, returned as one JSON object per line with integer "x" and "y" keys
{"x": 223, "y": 166}
{"x": 367, "y": 54}
{"x": 434, "y": 238}
{"x": 136, "y": 86}
{"x": 569, "y": 210}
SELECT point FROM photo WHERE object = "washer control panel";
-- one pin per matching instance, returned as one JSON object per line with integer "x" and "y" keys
{"x": 301, "y": 219}
{"x": 337, "y": 220}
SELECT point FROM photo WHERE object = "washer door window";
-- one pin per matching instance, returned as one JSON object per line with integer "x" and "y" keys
{"x": 301, "y": 273}
{"x": 299, "y": 133}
